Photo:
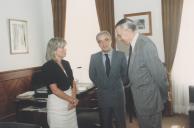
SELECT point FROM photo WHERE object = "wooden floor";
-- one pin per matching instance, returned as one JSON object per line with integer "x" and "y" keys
{"x": 175, "y": 121}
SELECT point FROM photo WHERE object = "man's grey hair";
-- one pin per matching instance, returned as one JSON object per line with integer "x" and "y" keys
{"x": 127, "y": 23}
{"x": 52, "y": 46}
{"x": 106, "y": 33}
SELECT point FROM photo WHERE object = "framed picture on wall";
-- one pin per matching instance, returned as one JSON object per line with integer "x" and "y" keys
{"x": 143, "y": 22}
{"x": 18, "y": 36}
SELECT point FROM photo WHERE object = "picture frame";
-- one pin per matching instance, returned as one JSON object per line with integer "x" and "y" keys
{"x": 143, "y": 21}
{"x": 18, "y": 36}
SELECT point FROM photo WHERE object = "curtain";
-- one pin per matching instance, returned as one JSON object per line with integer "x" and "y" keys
{"x": 59, "y": 17}
{"x": 183, "y": 69}
{"x": 171, "y": 16}
{"x": 105, "y": 12}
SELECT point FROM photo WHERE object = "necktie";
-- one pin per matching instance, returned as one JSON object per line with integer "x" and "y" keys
{"x": 128, "y": 94}
{"x": 107, "y": 64}
{"x": 130, "y": 51}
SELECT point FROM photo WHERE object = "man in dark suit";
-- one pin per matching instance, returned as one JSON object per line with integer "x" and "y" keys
{"x": 108, "y": 69}
{"x": 147, "y": 75}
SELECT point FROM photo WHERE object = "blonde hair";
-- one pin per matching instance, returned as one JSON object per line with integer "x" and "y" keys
{"x": 52, "y": 46}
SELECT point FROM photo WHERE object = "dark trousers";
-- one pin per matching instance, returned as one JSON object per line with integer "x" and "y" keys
{"x": 130, "y": 107}
{"x": 150, "y": 121}
{"x": 109, "y": 113}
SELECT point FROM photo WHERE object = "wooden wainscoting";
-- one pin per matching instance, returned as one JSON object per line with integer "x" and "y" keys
{"x": 13, "y": 83}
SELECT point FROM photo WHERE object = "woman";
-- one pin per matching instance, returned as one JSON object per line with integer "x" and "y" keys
{"x": 61, "y": 86}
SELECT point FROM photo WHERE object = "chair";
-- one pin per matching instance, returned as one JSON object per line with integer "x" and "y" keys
{"x": 88, "y": 118}
{"x": 191, "y": 110}
{"x": 37, "y": 80}
{"x": 17, "y": 125}
{"x": 88, "y": 111}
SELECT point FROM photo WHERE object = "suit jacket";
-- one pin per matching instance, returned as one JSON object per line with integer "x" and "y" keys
{"x": 148, "y": 77}
{"x": 54, "y": 74}
{"x": 110, "y": 90}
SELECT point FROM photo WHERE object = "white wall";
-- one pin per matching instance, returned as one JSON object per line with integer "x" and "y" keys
{"x": 32, "y": 12}
{"x": 47, "y": 23}
{"x": 135, "y": 6}
{"x": 81, "y": 29}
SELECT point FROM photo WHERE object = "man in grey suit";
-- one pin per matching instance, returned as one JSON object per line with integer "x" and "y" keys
{"x": 147, "y": 75}
{"x": 107, "y": 70}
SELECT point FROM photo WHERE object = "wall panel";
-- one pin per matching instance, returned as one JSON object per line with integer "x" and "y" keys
{"x": 13, "y": 83}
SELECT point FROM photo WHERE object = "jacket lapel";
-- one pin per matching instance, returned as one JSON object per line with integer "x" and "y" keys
{"x": 131, "y": 61}
{"x": 100, "y": 63}
{"x": 133, "y": 55}
{"x": 113, "y": 59}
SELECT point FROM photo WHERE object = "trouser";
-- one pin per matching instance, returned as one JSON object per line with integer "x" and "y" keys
{"x": 150, "y": 121}
{"x": 108, "y": 113}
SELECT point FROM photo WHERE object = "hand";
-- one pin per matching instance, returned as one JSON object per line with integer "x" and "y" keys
{"x": 74, "y": 94}
{"x": 71, "y": 99}
{"x": 70, "y": 106}
{"x": 75, "y": 99}
{"x": 75, "y": 102}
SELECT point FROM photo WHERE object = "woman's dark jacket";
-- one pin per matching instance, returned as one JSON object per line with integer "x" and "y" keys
{"x": 53, "y": 73}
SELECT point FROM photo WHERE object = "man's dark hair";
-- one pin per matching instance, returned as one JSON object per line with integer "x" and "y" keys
{"x": 127, "y": 22}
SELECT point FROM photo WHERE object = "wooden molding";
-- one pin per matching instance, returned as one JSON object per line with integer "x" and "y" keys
{"x": 14, "y": 74}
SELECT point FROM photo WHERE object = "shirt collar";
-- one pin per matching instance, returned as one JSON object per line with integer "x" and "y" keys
{"x": 134, "y": 40}
{"x": 109, "y": 53}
